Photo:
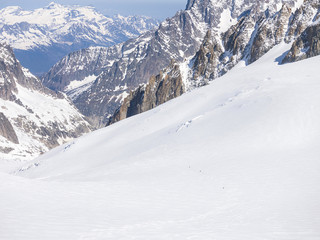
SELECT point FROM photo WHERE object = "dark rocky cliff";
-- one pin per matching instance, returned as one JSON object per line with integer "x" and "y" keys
{"x": 160, "y": 89}
{"x": 6, "y": 129}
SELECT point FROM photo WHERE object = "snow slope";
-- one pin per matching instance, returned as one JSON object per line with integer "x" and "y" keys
{"x": 237, "y": 159}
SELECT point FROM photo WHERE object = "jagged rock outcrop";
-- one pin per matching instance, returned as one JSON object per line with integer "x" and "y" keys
{"x": 160, "y": 89}
{"x": 12, "y": 73}
{"x": 255, "y": 33}
{"x": 271, "y": 31}
{"x": 6, "y": 129}
{"x": 206, "y": 60}
{"x": 306, "y": 46}
{"x": 301, "y": 18}
{"x": 33, "y": 119}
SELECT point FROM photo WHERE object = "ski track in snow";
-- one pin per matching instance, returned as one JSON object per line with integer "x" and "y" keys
{"x": 235, "y": 160}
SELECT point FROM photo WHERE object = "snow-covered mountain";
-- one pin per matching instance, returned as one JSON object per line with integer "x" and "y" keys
{"x": 43, "y": 36}
{"x": 237, "y": 159}
{"x": 255, "y": 33}
{"x": 33, "y": 119}
{"x": 244, "y": 29}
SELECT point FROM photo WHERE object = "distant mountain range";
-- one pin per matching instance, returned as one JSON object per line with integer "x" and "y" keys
{"x": 43, "y": 36}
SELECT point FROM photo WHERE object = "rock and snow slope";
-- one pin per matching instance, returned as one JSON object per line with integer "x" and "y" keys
{"x": 237, "y": 159}
{"x": 244, "y": 29}
{"x": 43, "y": 36}
{"x": 255, "y": 33}
{"x": 33, "y": 119}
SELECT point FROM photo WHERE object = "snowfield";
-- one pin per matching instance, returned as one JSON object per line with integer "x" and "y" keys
{"x": 238, "y": 159}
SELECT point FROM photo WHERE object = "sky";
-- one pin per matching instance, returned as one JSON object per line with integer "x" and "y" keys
{"x": 159, "y": 9}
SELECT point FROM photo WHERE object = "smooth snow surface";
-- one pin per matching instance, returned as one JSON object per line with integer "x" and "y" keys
{"x": 226, "y": 21}
{"x": 236, "y": 160}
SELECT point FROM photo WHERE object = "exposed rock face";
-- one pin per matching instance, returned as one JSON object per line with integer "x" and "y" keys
{"x": 255, "y": 33}
{"x": 306, "y": 46}
{"x": 33, "y": 119}
{"x": 206, "y": 61}
{"x": 92, "y": 60}
{"x": 301, "y": 18}
{"x": 190, "y": 4}
{"x": 9, "y": 68}
{"x": 6, "y": 129}
{"x": 271, "y": 31}
{"x": 160, "y": 89}
{"x": 12, "y": 73}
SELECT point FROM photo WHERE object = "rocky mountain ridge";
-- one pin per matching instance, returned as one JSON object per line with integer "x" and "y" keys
{"x": 126, "y": 66}
{"x": 33, "y": 119}
{"x": 251, "y": 37}
{"x": 43, "y": 36}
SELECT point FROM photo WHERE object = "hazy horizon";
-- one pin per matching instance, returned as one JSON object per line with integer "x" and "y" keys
{"x": 159, "y": 9}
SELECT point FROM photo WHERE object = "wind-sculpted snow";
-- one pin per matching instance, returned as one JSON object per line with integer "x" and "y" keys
{"x": 43, "y": 36}
{"x": 237, "y": 159}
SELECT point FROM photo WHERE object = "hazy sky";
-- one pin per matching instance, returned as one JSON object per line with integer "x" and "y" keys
{"x": 155, "y": 8}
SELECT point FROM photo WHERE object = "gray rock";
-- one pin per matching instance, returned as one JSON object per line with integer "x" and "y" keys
{"x": 6, "y": 130}
{"x": 41, "y": 128}
{"x": 306, "y": 46}
{"x": 160, "y": 89}
{"x": 271, "y": 31}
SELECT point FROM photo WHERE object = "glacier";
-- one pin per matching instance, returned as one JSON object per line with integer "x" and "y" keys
{"x": 236, "y": 159}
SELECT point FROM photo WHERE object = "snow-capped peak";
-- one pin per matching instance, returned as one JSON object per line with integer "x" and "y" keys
{"x": 65, "y": 29}
{"x": 54, "y": 5}
{"x": 59, "y": 20}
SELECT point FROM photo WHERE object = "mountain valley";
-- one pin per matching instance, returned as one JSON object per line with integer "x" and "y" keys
{"x": 203, "y": 126}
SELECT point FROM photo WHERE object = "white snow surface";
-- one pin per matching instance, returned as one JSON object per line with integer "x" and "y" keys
{"x": 237, "y": 159}
{"x": 75, "y": 88}
{"x": 226, "y": 21}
